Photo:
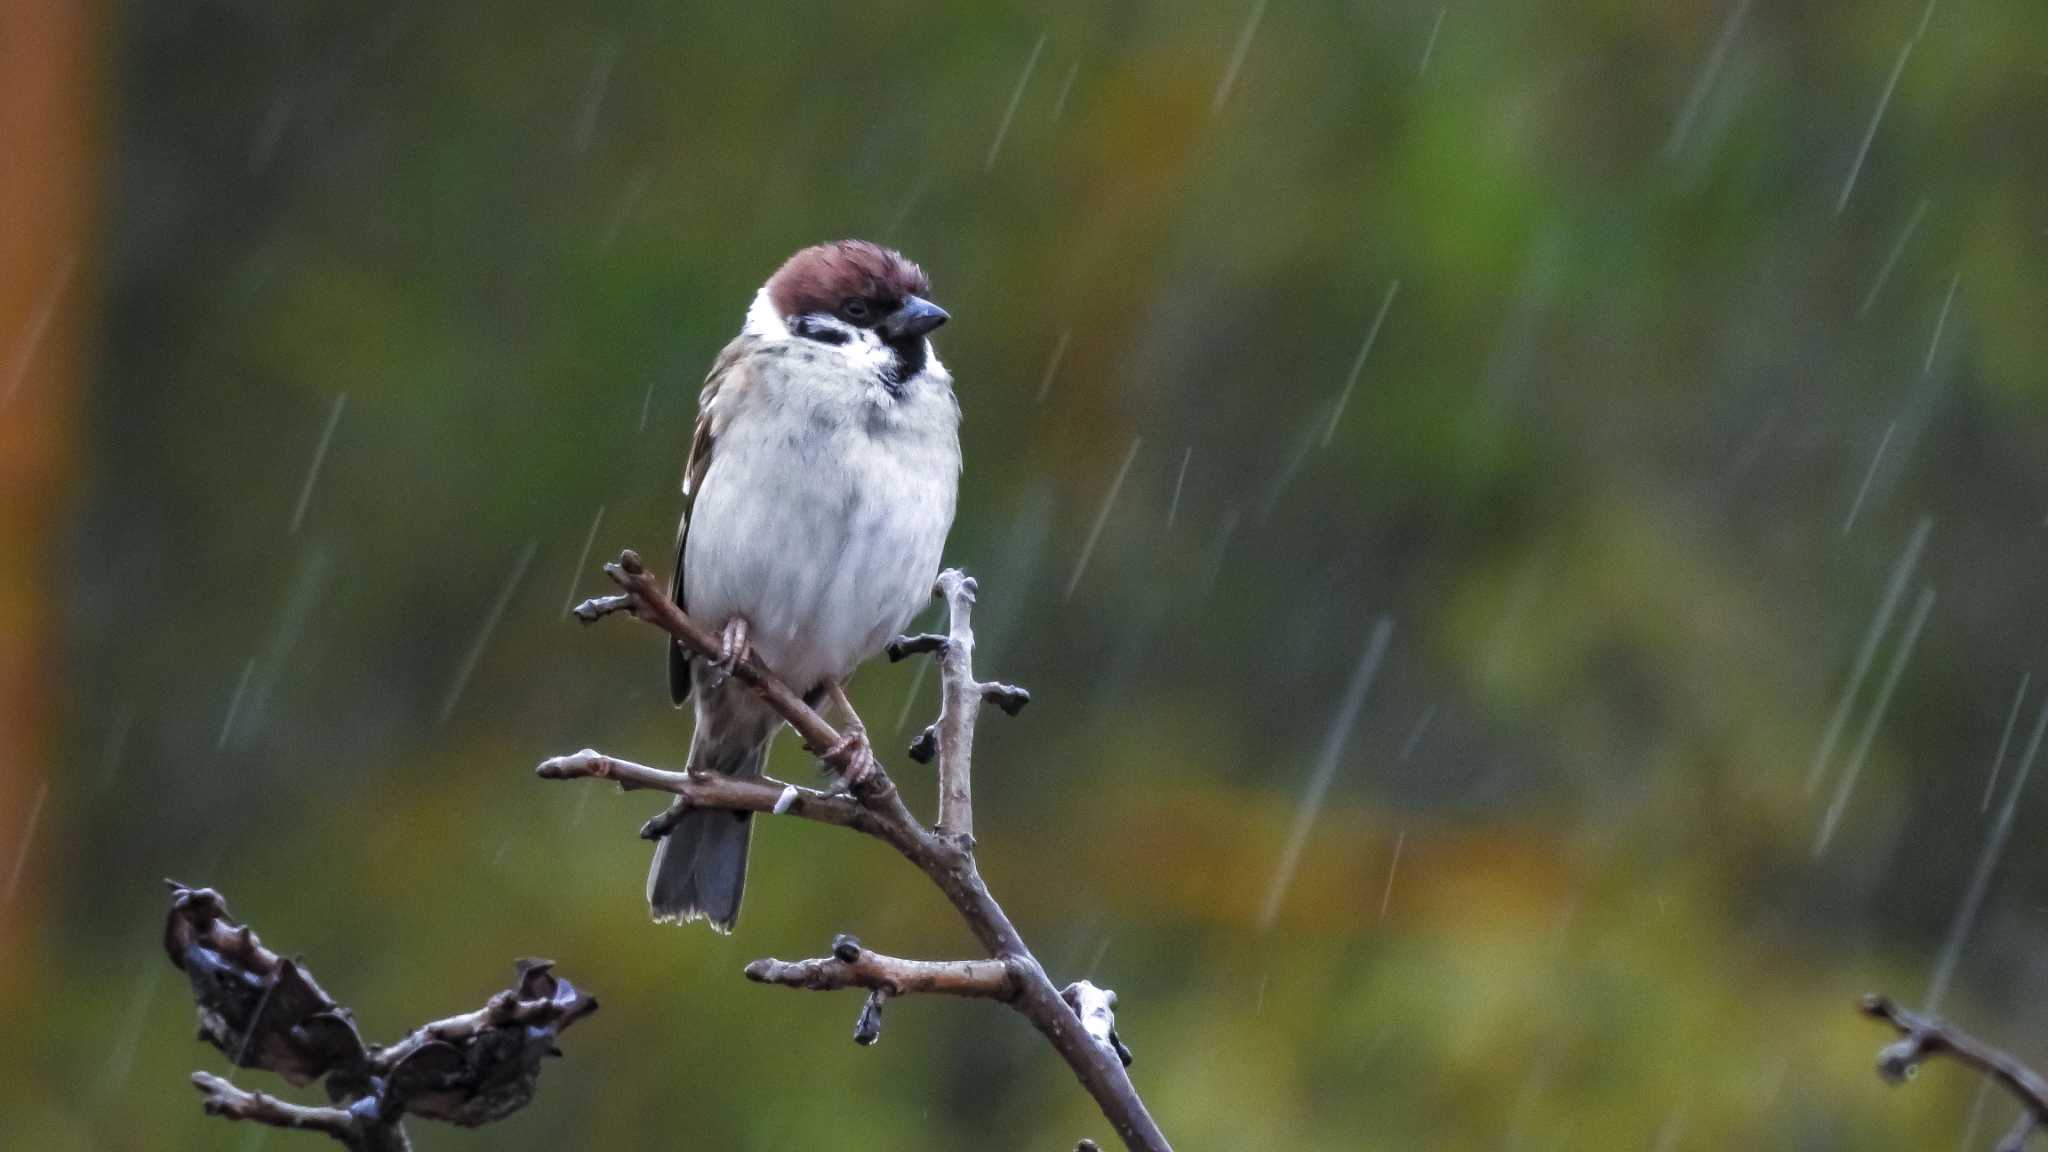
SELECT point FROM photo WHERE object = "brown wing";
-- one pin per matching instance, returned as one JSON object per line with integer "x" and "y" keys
{"x": 709, "y": 419}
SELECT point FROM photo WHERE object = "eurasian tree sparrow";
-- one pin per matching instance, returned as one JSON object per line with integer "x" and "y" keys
{"x": 819, "y": 491}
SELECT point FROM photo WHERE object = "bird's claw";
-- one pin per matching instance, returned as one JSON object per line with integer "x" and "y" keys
{"x": 734, "y": 649}
{"x": 851, "y": 757}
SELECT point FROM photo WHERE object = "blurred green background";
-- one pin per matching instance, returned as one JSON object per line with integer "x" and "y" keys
{"x": 387, "y": 304}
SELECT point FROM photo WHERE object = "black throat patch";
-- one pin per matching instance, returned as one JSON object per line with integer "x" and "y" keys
{"x": 909, "y": 360}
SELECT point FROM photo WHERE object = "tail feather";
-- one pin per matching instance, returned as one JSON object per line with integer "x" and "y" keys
{"x": 700, "y": 867}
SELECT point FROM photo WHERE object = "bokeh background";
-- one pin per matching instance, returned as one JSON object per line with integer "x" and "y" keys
{"x": 1666, "y": 377}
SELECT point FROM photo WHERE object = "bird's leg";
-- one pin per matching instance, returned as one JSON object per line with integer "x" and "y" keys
{"x": 851, "y": 756}
{"x": 733, "y": 649}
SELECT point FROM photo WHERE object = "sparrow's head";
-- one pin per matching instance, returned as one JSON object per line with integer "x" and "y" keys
{"x": 861, "y": 297}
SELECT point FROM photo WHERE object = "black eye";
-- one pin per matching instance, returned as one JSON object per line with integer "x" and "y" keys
{"x": 856, "y": 310}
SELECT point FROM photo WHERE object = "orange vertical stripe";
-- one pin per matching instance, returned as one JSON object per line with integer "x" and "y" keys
{"x": 48, "y": 65}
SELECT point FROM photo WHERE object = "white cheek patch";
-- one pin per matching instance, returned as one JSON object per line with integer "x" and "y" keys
{"x": 862, "y": 348}
{"x": 867, "y": 352}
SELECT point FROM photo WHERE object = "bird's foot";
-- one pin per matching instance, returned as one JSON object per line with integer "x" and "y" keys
{"x": 733, "y": 650}
{"x": 851, "y": 756}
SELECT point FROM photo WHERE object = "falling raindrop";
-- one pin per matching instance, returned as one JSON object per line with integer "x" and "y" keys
{"x": 1358, "y": 364}
{"x": 1102, "y": 518}
{"x": 2004, "y": 742}
{"x": 995, "y": 147}
{"x": 593, "y": 93}
{"x": 1393, "y": 865}
{"x": 1940, "y": 322}
{"x": 628, "y": 200}
{"x": 1671, "y": 1131}
{"x": 1237, "y": 55}
{"x": 319, "y": 456}
{"x": 1704, "y": 82}
{"x": 32, "y": 340}
{"x": 1052, "y": 367}
{"x": 646, "y": 406}
{"x": 307, "y": 587}
{"x": 1921, "y": 608}
{"x": 1980, "y": 880}
{"x": 1895, "y": 589}
{"x": 227, "y": 724}
{"x": 1180, "y": 479}
{"x": 1884, "y": 271}
{"x": 1436, "y": 27}
{"x": 909, "y": 204}
{"x": 1334, "y": 743}
{"x": 1219, "y": 550}
{"x": 483, "y": 636}
{"x": 1291, "y": 468}
{"x": 121, "y": 1056}
{"x": 1883, "y": 101}
{"x": 1870, "y": 474}
{"x": 1976, "y": 1119}
{"x": 910, "y": 697}
{"x": 1059, "y": 103}
{"x": 116, "y": 748}
{"x": 28, "y": 839}
{"x": 583, "y": 557}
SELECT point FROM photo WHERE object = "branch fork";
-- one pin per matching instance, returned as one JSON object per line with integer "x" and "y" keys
{"x": 1923, "y": 1037}
{"x": 1078, "y": 1022}
{"x": 266, "y": 1011}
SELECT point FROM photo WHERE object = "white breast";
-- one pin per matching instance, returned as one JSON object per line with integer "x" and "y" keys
{"x": 825, "y": 509}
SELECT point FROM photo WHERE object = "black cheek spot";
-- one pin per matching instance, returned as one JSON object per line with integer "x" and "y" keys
{"x": 810, "y": 329}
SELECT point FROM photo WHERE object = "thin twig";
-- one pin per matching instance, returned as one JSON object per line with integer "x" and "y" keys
{"x": 852, "y": 966}
{"x": 1923, "y": 1037}
{"x": 229, "y": 1102}
{"x": 872, "y": 805}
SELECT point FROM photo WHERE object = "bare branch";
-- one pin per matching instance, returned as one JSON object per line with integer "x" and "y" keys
{"x": 1010, "y": 698}
{"x": 852, "y": 966}
{"x": 705, "y": 790}
{"x": 904, "y": 647}
{"x": 872, "y": 805}
{"x": 960, "y": 705}
{"x": 646, "y": 599}
{"x": 1922, "y": 1038}
{"x": 266, "y": 1011}
{"x": 229, "y": 1102}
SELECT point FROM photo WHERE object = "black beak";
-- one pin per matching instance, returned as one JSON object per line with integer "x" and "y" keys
{"x": 915, "y": 317}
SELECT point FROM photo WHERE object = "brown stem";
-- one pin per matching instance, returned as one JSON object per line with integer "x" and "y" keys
{"x": 852, "y": 966}
{"x": 1923, "y": 1037}
{"x": 944, "y": 853}
{"x": 959, "y": 707}
{"x": 225, "y": 1100}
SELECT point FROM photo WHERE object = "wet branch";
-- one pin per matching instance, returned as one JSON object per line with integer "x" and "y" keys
{"x": 852, "y": 966}
{"x": 224, "y": 1099}
{"x": 1079, "y": 1022}
{"x": 1922, "y": 1038}
{"x": 265, "y": 1011}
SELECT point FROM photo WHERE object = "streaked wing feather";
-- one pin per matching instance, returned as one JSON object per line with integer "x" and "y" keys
{"x": 729, "y": 364}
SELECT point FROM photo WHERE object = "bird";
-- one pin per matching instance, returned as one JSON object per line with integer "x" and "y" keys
{"x": 822, "y": 478}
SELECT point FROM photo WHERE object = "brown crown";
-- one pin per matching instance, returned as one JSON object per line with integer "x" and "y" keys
{"x": 819, "y": 278}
